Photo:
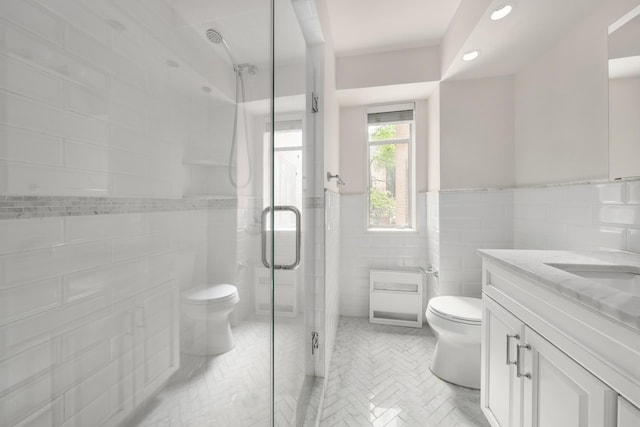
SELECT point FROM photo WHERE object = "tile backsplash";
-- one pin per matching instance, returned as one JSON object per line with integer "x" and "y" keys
{"x": 468, "y": 221}
{"x": 583, "y": 216}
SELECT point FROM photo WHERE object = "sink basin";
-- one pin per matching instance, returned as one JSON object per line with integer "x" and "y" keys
{"x": 625, "y": 278}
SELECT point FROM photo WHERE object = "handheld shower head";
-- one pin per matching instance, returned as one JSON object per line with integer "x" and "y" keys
{"x": 214, "y": 36}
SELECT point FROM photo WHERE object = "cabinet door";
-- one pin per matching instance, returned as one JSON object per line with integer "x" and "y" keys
{"x": 157, "y": 342}
{"x": 628, "y": 415}
{"x": 559, "y": 392}
{"x": 501, "y": 390}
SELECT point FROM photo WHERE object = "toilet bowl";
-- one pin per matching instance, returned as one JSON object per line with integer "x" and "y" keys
{"x": 456, "y": 321}
{"x": 206, "y": 315}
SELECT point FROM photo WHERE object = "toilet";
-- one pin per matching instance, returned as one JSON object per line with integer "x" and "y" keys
{"x": 206, "y": 315}
{"x": 456, "y": 321}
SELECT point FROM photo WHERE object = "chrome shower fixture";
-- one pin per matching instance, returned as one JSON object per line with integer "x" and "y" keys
{"x": 336, "y": 177}
{"x": 251, "y": 69}
{"x": 214, "y": 36}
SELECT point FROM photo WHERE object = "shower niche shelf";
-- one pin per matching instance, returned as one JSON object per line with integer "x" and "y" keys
{"x": 204, "y": 163}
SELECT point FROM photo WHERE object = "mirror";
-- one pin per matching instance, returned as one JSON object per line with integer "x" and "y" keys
{"x": 624, "y": 96}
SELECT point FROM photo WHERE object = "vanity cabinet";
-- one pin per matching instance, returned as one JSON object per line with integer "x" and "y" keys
{"x": 528, "y": 382}
{"x": 560, "y": 392}
{"x": 501, "y": 392}
{"x": 549, "y": 361}
{"x": 628, "y": 415}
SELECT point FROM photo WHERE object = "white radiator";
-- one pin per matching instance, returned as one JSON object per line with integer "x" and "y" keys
{"x": 396, "y": 297}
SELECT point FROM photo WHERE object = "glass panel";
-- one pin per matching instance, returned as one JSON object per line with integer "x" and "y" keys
{"x": 131, "y": 140}
{"x": 293, "y": 366}
{"x": 389, "y": 176}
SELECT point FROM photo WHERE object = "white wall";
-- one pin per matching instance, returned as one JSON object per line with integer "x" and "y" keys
{"x": 353, "y": 151}
{"x": 561, "y": 105}
{"x": 388, "y": 68}
{"x": 353, "y": 147}
{"x": 328, "y": 119}
{"x": 476, "y": 133}
{"x": 624, "y": 127}
{"x": 433, "y": 142}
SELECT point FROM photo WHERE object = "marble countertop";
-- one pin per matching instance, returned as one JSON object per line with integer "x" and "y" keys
{"x": 620, "y": 305}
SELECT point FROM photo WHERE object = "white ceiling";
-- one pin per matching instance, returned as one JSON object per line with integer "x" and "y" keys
{"x": 507, "y": 45}
{"x": 366, "y": 26}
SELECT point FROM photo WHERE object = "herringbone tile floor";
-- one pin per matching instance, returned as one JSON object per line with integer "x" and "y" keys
{"x": 380, "y": 377}
{"x": 233, "y": 389}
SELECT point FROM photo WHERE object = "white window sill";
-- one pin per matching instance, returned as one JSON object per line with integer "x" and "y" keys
{"x": 392, "y": 230}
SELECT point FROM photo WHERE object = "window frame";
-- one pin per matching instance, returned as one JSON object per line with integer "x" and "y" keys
{"x": 411, "y": 152}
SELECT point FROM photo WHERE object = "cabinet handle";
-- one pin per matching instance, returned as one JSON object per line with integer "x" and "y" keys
{"x": 519, "y": 373}
{"x": 509, "y": 336}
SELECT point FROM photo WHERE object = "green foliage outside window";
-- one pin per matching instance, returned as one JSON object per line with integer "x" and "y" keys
{"x": 382, "y": 202}
{"x": 382, "y": 205}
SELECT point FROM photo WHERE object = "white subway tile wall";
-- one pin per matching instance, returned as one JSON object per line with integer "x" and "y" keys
{"x": 333, "y": 260}
{"x": 91, "y": 108}
{"x": 587, "y": 216}
{"x": 89, "y": 285}
{"x": 362, "y": 250}
{"x": 468, "y": 221}
{"x": 315, "y": 273}
{"x": 432, "y": 200}
{"x": 579, "y": 216}
{"x": 77, "y": 295}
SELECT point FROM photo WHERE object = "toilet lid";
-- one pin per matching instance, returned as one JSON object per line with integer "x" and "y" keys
{"x": 465, "y": 309}
{"x": 213, "y": 293}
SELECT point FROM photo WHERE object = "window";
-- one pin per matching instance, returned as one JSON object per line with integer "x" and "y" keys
{"x": 390, "y": 158}
{"x": 288, "y": 169}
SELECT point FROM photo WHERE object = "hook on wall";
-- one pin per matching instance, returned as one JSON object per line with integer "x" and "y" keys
{"x": 336, "y": 177}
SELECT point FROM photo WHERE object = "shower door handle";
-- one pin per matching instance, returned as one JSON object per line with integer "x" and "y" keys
{"x": 265, "y": 261}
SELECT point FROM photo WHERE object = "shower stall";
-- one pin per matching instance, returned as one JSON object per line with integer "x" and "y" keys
{"x": 150, "y": 149}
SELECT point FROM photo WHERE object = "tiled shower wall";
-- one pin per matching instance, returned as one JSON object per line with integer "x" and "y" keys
{"x": 103, "y": 98}
{"x": 587, "y": 216}
{"x": 101, "y": 118}
{"x": 80, "y": 337}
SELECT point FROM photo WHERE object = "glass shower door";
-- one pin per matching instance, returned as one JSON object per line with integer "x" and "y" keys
{"x": 291, "y": 229}
{"x": 140, "y": 141}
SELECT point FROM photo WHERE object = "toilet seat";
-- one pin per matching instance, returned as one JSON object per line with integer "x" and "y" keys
{"x": 212, "y": 294}
{"x": 457, "y": 309}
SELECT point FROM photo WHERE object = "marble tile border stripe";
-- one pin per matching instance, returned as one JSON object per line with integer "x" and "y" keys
{"x": 17, "y": 207}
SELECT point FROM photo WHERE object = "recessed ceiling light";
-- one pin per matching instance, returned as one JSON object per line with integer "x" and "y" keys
{"x": 501, "y": 12}
{"x": 470, "y": 56}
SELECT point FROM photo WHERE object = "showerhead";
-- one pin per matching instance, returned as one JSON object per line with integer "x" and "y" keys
{"x": 214, "y": 36}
